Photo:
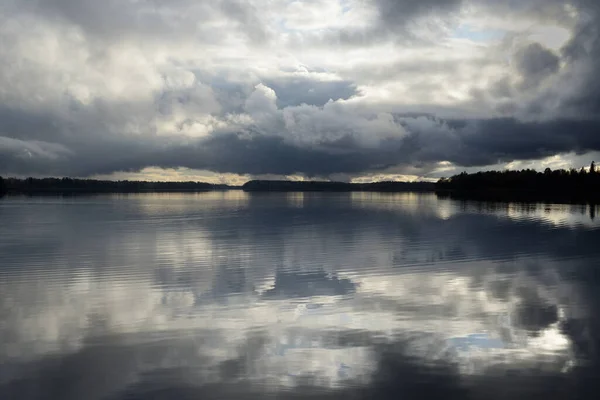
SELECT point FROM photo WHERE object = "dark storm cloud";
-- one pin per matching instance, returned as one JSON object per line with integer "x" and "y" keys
{"x": 535, "y": 62}
{"x": 79, "y": 159}
{"x": 489, "y": 141}
{"x": 466, "y": 143}
{"x": 463, "y": 142}
{"x": 270, "y": 154}
{"x": 17, "y": 155}
{"x": 26, "y": 125}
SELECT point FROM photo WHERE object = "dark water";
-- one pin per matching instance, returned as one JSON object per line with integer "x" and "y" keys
{"x": 352, "y": 295}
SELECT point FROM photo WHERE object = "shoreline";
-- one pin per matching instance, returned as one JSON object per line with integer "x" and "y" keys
{"x": 75, "y": 187}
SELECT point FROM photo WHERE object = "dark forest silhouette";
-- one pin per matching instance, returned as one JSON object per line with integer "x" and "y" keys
{"x": 69, "y": 185}
{"x": 524, "y": 185}
{"x": 323, "y": 186}
{"x": 2, "y": 187}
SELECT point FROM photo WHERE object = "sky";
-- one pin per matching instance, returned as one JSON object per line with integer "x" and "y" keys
{"x": 351, "y": 90}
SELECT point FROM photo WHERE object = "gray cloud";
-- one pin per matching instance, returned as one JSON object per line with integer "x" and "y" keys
{"x": 17, "y": 154}
{"x": 247, "y": 16}
{"x": 467, "y": 143}
{"x": 396, "y": 20}
{"x": 427, "y": 141}
{"x": 535, "y": 62}
{"x": 574, "y": 92}
{"x": 583, "y": 54}
{"x": 116, "y": 20}
{"x": 101, "y": 111}
{"x": 396, "y": 13}
{"x": 484, "y": 142}
{"x": 540, "y": 10}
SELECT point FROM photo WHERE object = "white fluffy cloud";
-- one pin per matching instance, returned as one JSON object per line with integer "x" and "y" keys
{"x": 312, "y": 125}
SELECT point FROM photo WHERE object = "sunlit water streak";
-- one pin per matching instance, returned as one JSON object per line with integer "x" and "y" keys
{"x": 291, "y": 292}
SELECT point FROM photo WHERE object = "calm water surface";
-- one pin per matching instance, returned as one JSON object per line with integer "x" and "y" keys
{"x": 353, "y": 295}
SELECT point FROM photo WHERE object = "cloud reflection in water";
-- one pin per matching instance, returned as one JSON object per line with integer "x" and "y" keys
{"x": 341, "y": 295}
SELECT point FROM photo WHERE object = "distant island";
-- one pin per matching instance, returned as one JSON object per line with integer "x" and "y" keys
{"x": 323, "y": 186}
{"x": 560, "y": 185}
{"x": 75, "y": 186}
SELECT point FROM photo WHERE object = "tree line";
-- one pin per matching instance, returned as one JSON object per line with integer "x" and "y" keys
{"x": 70, "y": 185}
{"x": 326, "y": 186}
{"x": 559, "y": 184}
{"x": 3, "y": 188}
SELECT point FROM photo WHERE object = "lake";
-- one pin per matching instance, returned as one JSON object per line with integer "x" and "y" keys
{"x": 297, "y": 295}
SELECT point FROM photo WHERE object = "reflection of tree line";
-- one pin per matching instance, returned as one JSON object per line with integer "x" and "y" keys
{"x": 69, "y": 185}
{"x": 467, "y": 203}
{"x": 525, "y": 185}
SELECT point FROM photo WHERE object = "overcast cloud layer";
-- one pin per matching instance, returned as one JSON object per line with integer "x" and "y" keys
{"x": 331, "y": 89}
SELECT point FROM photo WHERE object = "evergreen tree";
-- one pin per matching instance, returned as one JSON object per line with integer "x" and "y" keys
{"x": 526, "y": 185}
{"x": 2, "y": 186}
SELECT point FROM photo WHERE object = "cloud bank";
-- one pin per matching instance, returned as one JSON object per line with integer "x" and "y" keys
{"x": 309, "y": 88}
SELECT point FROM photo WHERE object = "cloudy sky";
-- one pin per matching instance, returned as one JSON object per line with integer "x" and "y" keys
{"x": 229, "y": 90}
